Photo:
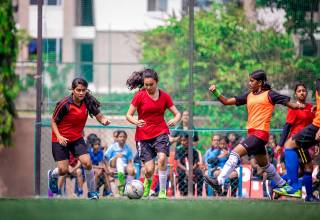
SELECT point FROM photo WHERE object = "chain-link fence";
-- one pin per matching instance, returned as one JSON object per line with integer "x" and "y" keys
{"x": 247, "y": 180}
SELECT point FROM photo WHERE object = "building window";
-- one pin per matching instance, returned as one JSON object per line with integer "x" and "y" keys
{"x": 51, "y": 50}
{"x": 84, "y": 60}
{"x": 308, "y": 49}
{"x": 84, "y": 13}
{"x": 157, "y": 5}
{"x": 46, "y": 2}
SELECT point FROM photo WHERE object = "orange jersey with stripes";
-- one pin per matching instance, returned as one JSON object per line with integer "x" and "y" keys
{"x": 259, "y": 111}
{"x": 316, "y": 120}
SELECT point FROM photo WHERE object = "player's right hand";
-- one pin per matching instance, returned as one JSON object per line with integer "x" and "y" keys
{"x": 62, "y": 140}
{"x": 278, "y": 149}
{"x": 212, "y": 88}
{"x": 141, "y": 123}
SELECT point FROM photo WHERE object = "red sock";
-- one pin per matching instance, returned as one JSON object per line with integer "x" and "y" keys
{"x": 155, "y": 181}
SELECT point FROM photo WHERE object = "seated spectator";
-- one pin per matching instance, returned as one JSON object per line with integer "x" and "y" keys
{"x": 181, "y": 128}
{"x": 181, "y": 156}
{"x": 119, "y": 156}
{"x": 210, "y": 157}
{"x": 99, "y": 169}
{"x": 221, "y": 160}
{"x": 75, "y": 171}
{"x": 90, "y": 140}
{"x": 232, "y": 140}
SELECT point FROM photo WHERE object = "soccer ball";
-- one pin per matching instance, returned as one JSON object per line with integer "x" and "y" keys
{"x": 134, "y": 189}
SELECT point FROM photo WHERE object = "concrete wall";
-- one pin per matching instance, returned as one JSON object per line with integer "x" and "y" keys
{"x": 16, "y": 163}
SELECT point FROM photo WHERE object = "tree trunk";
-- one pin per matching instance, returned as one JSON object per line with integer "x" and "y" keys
{"x": 249, "y": 7}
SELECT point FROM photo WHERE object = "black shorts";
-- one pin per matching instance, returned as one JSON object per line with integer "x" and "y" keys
{"x": 306, "y": 137}
{"x": 77, "y": 148}
{"x": 304, "y": 156}
{"x": 254, "y": 145}
{"x": 148, "y": 149}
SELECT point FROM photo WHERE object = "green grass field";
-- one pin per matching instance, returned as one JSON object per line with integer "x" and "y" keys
{"x": 153, "y": 209}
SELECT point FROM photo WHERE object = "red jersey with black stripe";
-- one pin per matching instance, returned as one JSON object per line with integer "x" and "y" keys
{"x": 299, "y": 118}
{"x": 70, "y": 119}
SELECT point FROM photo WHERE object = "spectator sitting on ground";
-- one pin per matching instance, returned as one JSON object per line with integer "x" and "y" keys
{"x": 221, "y": 160}
{"x": 75, "y": 171}
{"x": 119, "y": 156}
{"x": 182, "y": 167}
{"x": 100, "y": 171}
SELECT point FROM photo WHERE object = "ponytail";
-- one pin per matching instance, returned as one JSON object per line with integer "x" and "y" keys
{"x": 92, "y": 104}
{"x": 136, "y": 80}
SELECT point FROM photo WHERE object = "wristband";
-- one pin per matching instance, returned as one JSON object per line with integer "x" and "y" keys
{"x": 216, "y": 93}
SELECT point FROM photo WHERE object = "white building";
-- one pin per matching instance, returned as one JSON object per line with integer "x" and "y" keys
{"x": 98, "y": 37}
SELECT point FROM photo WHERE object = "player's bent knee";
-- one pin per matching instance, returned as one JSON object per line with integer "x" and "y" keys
{"x": 290, "y": 144}
{"x": 63, "y": 171}
{"x": 87, "y": 165}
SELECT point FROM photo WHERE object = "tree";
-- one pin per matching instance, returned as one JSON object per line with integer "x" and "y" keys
{"x": 227, "y": 49}
{"x": 8, "y": 80}
{"x": 301, "y": 16}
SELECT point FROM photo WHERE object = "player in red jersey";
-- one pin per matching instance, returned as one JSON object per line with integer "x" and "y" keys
{"x": 152, "y": 130}
{"x": 296, "y": 148}
{"x": 68, "y": 122}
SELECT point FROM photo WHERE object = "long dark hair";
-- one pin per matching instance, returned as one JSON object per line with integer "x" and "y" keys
{"x": 90, "y": 101}
{"x": 261, "y": 75}
{"x": 137, "y": 77}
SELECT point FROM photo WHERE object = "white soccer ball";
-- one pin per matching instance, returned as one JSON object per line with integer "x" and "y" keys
{"x": 134, "y": 189}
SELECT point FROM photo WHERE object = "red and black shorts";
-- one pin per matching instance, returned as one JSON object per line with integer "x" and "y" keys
{"x": 254, "y": 145}
{"x": 77, "y": 148}
{"x": 148, "y": 149}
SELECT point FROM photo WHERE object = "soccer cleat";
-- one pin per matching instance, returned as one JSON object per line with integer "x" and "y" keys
{"x": 162, "y": 194}
{"x": 146, "y": 186}
{"x": 121, "y": 189}
{"x": 287, "y": 190}
{"x": 107, "y": 193}
{"x": 52, "y": 182}
{"x": 93, "y": 196}
{"x": 213, "y": 182}
{"x": 311, "y": 199}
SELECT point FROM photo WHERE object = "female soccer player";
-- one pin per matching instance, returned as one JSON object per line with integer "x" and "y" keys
{"x": 300, "y": 142}
{"x": 296, "y": 120}
{"x": 152, "y": 131}
{"x": 260, "y": 101}
{"x": 68, "y": 121}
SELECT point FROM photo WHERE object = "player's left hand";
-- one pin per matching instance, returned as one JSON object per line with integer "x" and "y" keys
{"x": 172, "y": 122}
{"x": 104, "y": 121}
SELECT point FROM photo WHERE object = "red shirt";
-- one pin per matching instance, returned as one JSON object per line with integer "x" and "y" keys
{"x": 299, "y": 118}
{"x": 152, "y": 112}
{"x": 70, "y": 119}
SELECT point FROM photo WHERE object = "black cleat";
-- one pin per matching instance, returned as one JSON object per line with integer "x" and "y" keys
{"x": 213, "y": 182}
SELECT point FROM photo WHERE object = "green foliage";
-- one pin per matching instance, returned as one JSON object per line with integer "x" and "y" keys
{"x": 227, "y": 49}
{"x": 8, "y": 80}
{"x": 301, "y": 16}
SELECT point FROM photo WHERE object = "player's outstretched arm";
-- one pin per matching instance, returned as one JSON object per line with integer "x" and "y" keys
{"x": 177, "y": 116}
{"x": 220, "y": 97}
{"x": 131, "y": 119}
{"x": 102, "y": 119}
{"x": 295, "y": 105}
